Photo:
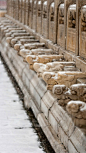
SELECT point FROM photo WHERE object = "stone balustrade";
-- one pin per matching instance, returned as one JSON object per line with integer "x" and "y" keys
{"x": 59, "y": 74}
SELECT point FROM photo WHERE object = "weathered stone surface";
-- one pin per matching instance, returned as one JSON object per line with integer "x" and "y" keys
{"x": 64, "y": 138}
{"x": 39, "y": 85}
{"x": 78, "y": 139}
{"x": 72, "y": 148}
{"x": 54, "y": 140}
{"x": 66, "y": 77}
{"x": 40, "y": 68}
{"x": 17, "y": 47}
{"x": 78, "y": 89}
{"x": 59, "y": 89}
{"x": 53, "y": 122}
{"x": 12, "y": 28}
{"x": 62, "y": 118}
{"x": 26, "y": 41}
{"x": 20, "y": 34}
{"x": 35, "y": 108}
{"x": 47, "y": 101}
{"x": 31, "y": 59}
{"x": 25, "y": 52}
{"x": 41, "y": 51}
{"x": 14, "y": 31}
{"x": 49, "y": 58}
{"x": 58, "y": 118}
{"x": 77, "y": 109}
{"x": 34, "y": 45}
{"x": 35, "y": 95}
{"x": 81, "y": 64}
{"x": 16, "y": 39}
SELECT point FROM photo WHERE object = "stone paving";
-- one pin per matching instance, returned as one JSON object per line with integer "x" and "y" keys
{"x": 16, "y": 132}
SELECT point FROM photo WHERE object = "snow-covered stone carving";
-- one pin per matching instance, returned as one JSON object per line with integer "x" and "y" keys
{"x": 24, "y": 52}
{"x": 77, "y": 110}
{"x": 49, "y": 58}
{"x": 16, "y": 39}
{"x": 13, "y": 36}
{"x": 26, "y": 41}
{"x": 11, "y": 29}
{"x": 59, "y": 89}
{"x": 14, "y": 31}
{"x": 18, "y": 46}
{"x": 79, "y": 90}
{"x": 67, "y": 78}
{"x": 20, "y": 34}
{"x": 42, "y": 58}
{"x": 51, "y": 67}
{"x": 34, "y": 45}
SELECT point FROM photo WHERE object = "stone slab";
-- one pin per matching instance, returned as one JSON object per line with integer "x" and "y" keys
{"x": 39, "y": 85}
{"x": 35, "y": 95}
{"x": 51, "y": 135}
{"x": 78, "y": 139}
{"x": 62, "y": 118}
{"x": 71, "y": 148}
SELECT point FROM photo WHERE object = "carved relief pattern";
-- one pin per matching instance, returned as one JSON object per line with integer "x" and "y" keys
{"x": 60, "y": 36}
{"x": 71, "y": 40}
{"x": 83, "y": 32}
